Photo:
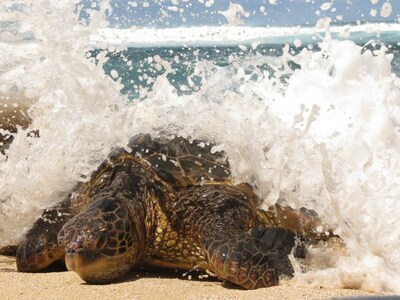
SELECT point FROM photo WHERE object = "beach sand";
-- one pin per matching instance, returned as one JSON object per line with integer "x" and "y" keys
{"x": 143, "y": 285}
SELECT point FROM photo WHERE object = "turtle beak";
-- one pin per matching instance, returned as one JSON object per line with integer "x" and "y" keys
{"x": 92, "y": 266}
{"x": 96, "y": 268}
{"x": 79, "y": 260}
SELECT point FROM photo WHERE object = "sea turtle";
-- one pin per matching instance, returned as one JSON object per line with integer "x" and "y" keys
{"x": 168, "y": 203}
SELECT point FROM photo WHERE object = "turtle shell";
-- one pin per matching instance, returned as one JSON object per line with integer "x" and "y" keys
{"x": 182, "y": 162}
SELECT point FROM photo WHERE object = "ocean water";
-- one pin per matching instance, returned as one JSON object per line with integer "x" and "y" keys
{"x": 138, "y": 76}
{"x": 308, "y": 115}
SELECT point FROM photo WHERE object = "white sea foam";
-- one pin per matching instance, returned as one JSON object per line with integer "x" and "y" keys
{"x": 327, "y": 139}
{"x": 232, "y": 35}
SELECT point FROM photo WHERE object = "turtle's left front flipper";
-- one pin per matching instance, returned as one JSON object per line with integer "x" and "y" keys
{"x": 237, "y": 246}
{"x": 254, "y": 259}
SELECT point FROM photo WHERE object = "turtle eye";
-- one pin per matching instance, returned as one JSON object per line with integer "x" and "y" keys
{"x": 87, "y": 240}
{"x": 95, "y": 239}
{"x": 90, "y": 237}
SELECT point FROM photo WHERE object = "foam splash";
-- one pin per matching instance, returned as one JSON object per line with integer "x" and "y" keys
{"x": 234, "y": 35}
{"x": 327, "y": 139}
{"x": 356, "y": 127}
{"x": 68, "y": 94}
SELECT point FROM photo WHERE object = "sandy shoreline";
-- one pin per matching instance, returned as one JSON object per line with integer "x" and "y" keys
{"x": 142, "y": 285}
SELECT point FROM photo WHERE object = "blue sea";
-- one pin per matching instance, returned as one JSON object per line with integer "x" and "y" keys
{"x": 183, "y": 57}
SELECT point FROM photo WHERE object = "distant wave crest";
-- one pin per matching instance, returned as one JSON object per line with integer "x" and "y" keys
{"x": 233, "y": 35}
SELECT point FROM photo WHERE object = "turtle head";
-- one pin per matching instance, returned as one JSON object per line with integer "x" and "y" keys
{"x": 100, "y": 243}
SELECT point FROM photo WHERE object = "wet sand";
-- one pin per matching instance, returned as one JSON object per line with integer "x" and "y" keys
{"x": 143, "y": 285}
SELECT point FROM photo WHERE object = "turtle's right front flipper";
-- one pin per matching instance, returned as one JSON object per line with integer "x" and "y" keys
{"x": 39, "y": 249}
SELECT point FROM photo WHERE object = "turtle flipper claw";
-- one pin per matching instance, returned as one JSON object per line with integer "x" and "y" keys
{"x": 9, "y": 250}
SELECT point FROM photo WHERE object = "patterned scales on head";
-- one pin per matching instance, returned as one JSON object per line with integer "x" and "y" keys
{"x": 168, "y": 203}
